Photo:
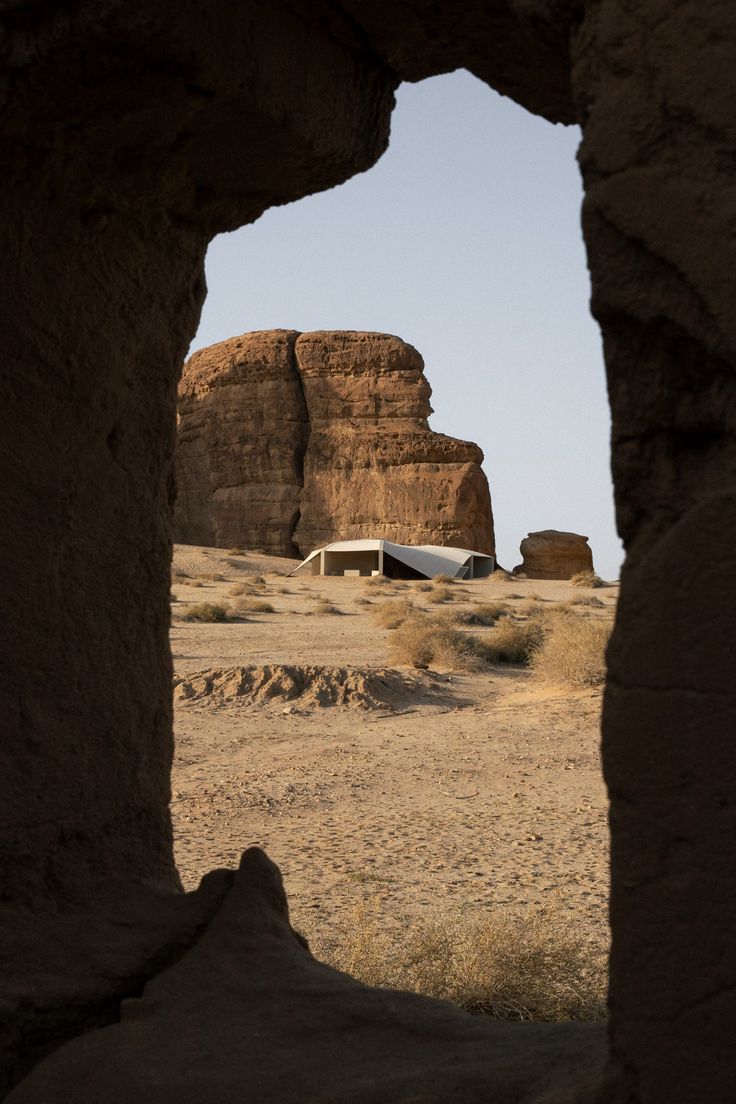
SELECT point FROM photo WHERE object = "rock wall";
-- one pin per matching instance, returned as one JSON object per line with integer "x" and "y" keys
{"x": 288, "y": 441}
{"x": 243, "y": 431}
{"x": 550, "y": 554}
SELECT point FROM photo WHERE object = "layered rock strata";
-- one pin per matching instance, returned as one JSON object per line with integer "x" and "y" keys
{"x": 243, "y": 430}
{"x": 288, "y": 441}
{"x": 550, "y": 554}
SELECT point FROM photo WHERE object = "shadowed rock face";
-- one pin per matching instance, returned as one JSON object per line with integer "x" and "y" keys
{"x": 288, "y": 441}
{"x": 131, "y": 135}
{"x": 550, "y": 554}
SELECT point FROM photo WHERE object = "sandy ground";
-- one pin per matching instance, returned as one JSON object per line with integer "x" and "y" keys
{"x": 486, "y": 790}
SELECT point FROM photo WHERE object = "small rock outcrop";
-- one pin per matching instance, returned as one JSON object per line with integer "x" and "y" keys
{"x": 550, "y": 554}
{"x": 288, "y": 441}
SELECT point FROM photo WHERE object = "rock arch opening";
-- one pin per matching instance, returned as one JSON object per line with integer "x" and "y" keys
{"x": 149, "y": 133}
{"x": 366, "y": 403}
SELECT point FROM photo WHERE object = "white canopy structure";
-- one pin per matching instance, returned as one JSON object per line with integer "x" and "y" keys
{"x": 398, "y": 561}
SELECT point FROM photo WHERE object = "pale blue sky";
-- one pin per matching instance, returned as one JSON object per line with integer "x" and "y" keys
{"x": 465, "y": 241}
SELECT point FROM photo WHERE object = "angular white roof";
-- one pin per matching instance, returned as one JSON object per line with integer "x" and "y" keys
{"x": 428, "y": 559}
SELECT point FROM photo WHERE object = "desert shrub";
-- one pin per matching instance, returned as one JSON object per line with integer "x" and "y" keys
{"x": 424, "y": 640}
{"x": 485, "y": 613}
{"x": 324, "y": 605}
{"x": 512, "y": 641}
{"x": 530, "y": 608}
{"x": 587, "y": 579}
{"x": 443, "y": 580}
{"x": 236, "y": 552}
{"x": 588, "y": 600}
{"x": 364, "y": 602}
{"x": 421, "y": 641}
{"x": 573, "y": 651}
{"x": 440, "y": 594}
{"x": 376, "y": 580}
{"x": 206, "y": 611}
{"x": 253, "y": 605}
{"x": 512, "y": 965}
{"x": 251, "y": 585}
{"x": 423, "y": 585}
{"x": 392, "y": 612}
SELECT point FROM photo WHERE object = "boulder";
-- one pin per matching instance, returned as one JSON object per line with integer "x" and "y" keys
{"x": 550, "y": 554}
{"x": 288, "y": 441}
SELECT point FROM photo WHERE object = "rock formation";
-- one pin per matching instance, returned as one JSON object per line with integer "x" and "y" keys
{"x": 132, "y": 134}
{"x": 243, "y": 430}
{"x": 550, "y": 554}
{"x": 288, "y": 441}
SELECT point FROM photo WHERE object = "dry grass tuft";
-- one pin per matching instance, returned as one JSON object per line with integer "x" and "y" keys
{"x": 251, "y": 585}
{"x": 588, "y": 600}
{"x": 376, "y": 580}
{"x": 526, "y": 965}
{"x": 512, "y": 641}
{"x": 587, "y": 579}
{"x": 423, "y": 585}
{"x": 206, "y": 611}
{"x": 392, "y": 612}
{"x": 573, "y": 651}
{"x": 235, "y": 552}
{"x": 423, "y": 640}
{"x": 324, "y": 605}
{"x": 440, "y": 594}
{"x": 253, "y": 605}
{"x": 484, "y": 613}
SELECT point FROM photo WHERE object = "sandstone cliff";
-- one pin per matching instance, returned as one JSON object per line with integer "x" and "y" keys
{"x": 288, "y": 441}
{"x": 243, "y": 429}
{"x": 551, "y": 554}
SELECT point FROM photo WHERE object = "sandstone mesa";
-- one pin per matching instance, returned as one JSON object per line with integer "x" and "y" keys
{"x": 290, "y": 440}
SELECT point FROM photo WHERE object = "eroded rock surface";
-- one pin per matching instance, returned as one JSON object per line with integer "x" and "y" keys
{"x": 244, "y": 1015}
{"x": 243, "y": 430}
{"x": 550, "y": 554}
{"x": 288, "y": 441}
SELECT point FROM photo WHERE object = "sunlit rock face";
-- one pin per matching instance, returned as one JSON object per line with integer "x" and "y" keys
{"x": 551, "y": 554}
{"x": 288, "y": 441}
{"x": 243, "y": 430}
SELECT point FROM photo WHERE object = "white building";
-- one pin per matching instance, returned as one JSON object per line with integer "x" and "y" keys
{"x": 397, "y": 561}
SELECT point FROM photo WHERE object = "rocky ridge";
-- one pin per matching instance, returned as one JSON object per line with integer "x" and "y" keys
{"x": 290, "y": 440}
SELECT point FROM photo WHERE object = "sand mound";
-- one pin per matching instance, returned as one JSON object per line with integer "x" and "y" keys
{"x": 195, "y": 560}
{"x": 313, "y": 687}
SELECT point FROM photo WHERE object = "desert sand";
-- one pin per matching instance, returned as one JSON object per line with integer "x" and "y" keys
{"x": 446, "y": 788}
